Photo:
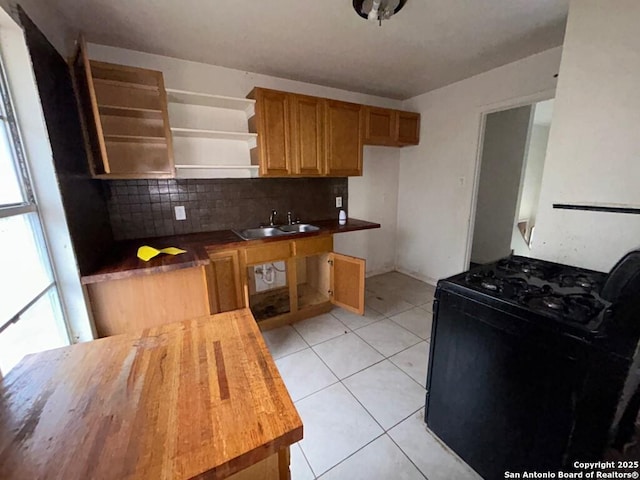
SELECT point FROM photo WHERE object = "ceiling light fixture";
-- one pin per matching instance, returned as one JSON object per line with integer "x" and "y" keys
{"x": 378, "y": 10}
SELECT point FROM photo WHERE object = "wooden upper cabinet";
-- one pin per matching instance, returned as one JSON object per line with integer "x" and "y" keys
{"x": 391, "y": 128}
{"x": 380, "y": 126}
{"x": 272, "y": 123}
{"x": 125, "y": 119}
{"x": 408, "y": 128}
{"x": 307, "y": 135}
{"x": 343, "y": 138}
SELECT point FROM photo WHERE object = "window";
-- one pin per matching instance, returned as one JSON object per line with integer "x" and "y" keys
{"x": 31, "y": 317}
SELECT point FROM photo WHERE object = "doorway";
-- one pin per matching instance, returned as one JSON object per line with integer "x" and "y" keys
{"x": 510, "y": 176}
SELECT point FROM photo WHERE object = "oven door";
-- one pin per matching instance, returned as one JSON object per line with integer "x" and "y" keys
{"x": 500, "y": 393}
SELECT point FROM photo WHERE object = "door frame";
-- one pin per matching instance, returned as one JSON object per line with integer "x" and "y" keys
{"x": 481, "y": 113}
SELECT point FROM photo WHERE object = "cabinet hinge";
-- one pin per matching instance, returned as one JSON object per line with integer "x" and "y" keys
{"x": 330, "y": 262}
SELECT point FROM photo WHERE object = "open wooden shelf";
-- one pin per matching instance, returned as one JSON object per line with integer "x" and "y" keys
{"x": 207, "y": 100}
{"x": 121, "y": 110}
{"x": 216, "y": 171}
{"x": 134, "y": 139}
{"x": 194, "y": 110}
{"x": 218, "y": 167}
{"x": 124, "y": 84}
{"x": 250, "y": 138}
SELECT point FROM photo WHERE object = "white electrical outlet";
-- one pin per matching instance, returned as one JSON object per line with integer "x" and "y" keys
{"x": 338, "y": 202}
{"x": 180, "y": 212}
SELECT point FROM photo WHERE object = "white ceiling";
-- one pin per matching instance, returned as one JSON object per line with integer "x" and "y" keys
{"x": 430, "y": 43}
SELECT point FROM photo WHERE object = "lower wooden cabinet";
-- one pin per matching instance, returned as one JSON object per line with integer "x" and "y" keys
{"x": 289, "y": 280}
{"x": 280, "y": 281}
{"x": 132, "y": 304}
{"x": 223, "y": 278}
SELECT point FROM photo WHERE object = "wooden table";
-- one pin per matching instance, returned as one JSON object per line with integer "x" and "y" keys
{"x": 197, "y": 399}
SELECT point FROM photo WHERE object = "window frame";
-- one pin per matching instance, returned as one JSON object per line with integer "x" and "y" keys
{"x": 27, "y": 206}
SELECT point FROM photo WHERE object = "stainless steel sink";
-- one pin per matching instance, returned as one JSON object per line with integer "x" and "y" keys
{"x": 267, "y": 232}
{"x": 299, "y": 228}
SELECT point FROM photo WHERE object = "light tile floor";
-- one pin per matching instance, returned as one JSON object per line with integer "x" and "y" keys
{"x": 358, "y": 383}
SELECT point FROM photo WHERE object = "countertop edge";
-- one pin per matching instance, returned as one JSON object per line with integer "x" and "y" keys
{"x": 199, "y": 257}
{"x": 47, "y": 368}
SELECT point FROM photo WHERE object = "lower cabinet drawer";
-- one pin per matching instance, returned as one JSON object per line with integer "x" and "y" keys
{"x": 312, "y": 246}
{"x": 267, "y": 253}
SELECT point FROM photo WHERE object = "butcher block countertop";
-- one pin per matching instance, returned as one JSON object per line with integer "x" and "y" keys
{"x": 196, "y": 399}
{"x": 122, "y": 261}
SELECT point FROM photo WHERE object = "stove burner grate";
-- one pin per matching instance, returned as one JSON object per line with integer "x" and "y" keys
{"x": 580, "y": 308}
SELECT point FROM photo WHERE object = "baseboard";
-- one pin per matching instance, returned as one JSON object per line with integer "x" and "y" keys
{"x": 381, "y": 271}
{"x": 417, "y": 276}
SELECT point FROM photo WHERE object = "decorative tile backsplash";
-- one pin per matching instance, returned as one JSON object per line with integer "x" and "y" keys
{"x": 145, "y": 208}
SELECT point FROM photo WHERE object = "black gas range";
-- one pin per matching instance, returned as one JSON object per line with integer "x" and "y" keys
{"x": 560, "y": 293}
{"x": 533, "y": 364}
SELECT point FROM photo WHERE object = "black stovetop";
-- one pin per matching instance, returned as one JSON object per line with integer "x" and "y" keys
{"x": 562, "y": 293}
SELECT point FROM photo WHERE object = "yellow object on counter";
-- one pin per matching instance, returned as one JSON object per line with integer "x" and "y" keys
{"x": 146, "y": 252}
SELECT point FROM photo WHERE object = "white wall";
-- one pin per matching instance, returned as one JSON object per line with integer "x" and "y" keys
{"x": 372, "y": 197}
{"x": 503, "y": 155}
{"x": 594, "y": 144}
{"x": 436, "y": 182}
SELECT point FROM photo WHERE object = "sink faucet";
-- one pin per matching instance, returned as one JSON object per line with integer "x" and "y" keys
{"x": 289, "y": 218}
{"x": 272, "y": 218}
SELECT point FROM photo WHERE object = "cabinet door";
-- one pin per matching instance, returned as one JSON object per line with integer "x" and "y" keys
{"x": 126, "y": 119}
{"x": 272, "y": 125}
{"x": 380, "y": 126}
{"x": 223, "y": 281}
{"x": 307, "y": 135}
{"x": 408, "y": 128}
{"x": 347, "y": 282}
{"x": 89, "y": 112}
{"x": 343, "y": 138}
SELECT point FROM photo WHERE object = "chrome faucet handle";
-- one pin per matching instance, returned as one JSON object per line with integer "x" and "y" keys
{"x": 289, "y": 218}
{"x": 272, "y": 218}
